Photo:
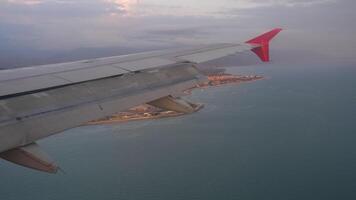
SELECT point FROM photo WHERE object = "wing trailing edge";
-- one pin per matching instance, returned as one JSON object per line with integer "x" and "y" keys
{"x": 262, "y": 42}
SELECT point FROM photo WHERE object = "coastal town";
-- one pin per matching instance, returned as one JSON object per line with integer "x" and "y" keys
{"x": 145, "y": 111}
{"x": 224, "y": 78}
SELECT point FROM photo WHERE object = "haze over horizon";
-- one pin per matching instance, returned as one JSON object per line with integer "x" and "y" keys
{"x": 45, "y": 31}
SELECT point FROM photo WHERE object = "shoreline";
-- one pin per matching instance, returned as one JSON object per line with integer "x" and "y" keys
{"x": 147, "y": 112}
{"x": 140, "y": 118}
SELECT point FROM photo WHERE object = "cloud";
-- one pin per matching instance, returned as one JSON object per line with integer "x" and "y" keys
{"x": 200, "y": 7}
{"x": 70, "y": 24}
{"x": 25, "y": 2}
{"x": 144, "y": 8}
{"x": 287, "y": 3}
{"x": 36, "y": 2}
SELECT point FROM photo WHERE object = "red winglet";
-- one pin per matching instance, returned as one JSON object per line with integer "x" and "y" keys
{"x": 262, "y": 50}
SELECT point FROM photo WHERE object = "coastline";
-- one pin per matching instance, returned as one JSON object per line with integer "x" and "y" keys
{"x": 148, "y": 112}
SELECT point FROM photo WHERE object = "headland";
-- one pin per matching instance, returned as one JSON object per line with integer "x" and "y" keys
{"x": 145, "y": 111}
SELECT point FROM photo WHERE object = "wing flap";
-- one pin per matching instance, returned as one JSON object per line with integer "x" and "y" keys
{"x": 30, "y": 84}
{"x": 31, "y": 156}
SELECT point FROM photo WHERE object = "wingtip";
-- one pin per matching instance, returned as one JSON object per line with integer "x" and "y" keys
{"x": 262, "y": 50}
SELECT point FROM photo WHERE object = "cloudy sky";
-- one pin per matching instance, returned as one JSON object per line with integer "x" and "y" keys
{"x": 31, "y": 30}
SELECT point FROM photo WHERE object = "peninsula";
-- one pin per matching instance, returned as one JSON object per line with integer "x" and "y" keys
{"x": 145, "y": 111}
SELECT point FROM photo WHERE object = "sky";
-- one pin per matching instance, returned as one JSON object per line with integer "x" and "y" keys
{"x": 45, "y": 31}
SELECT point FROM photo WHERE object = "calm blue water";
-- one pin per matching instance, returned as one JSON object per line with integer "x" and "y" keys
{"x": 290, "y": 136}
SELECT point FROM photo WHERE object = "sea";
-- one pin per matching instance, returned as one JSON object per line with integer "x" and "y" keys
{"x": 289, "y": 136}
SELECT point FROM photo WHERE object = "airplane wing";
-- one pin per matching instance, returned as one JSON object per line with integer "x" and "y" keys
{"x": 39, "y": 101}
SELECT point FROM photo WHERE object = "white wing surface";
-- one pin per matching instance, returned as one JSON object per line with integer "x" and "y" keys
{"x": 39, "y": 101}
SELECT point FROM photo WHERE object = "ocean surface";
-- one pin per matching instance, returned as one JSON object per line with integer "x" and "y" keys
{"x": 289, "y": 136}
